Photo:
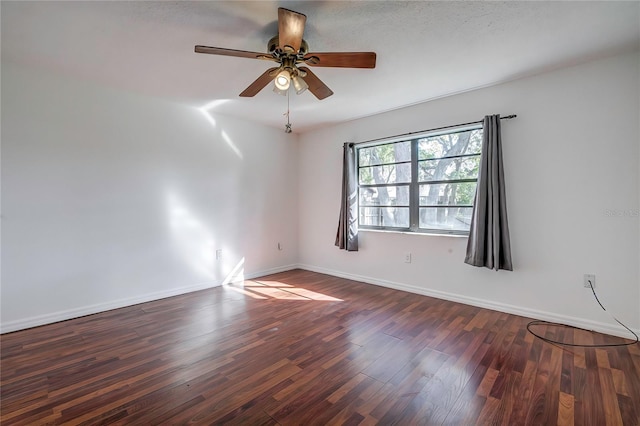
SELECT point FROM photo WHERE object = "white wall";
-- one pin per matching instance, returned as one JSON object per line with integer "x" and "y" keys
{"x": 571, "y": 157}
{"x": 112, "y": 198}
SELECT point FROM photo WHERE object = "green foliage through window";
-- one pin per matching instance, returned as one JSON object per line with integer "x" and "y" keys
{"x": 433, "y": 192}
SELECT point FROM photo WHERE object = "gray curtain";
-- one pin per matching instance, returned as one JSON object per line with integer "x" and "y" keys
{"x": 488, "y": 244}
{"x": 347, "y": 236}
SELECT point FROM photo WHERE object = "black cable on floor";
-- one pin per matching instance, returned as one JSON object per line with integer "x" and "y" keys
{"x": 540, "y": 322}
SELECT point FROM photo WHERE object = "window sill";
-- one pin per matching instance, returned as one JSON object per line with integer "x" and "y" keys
{"x": 428, "y": 234}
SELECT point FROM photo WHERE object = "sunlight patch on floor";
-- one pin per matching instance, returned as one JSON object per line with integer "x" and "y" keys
{"x": 246, "y": 293}
{"x": 265, "y": 289}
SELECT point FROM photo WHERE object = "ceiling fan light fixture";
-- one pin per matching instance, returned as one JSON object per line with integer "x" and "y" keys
{"x": 279, "y": 91}
{"x": 299, "y": 84}
{"x": 283, "y": 80}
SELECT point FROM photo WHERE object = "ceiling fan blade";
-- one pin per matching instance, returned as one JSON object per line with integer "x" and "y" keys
{"x": 316, "y": 86}
{"x": 342, "y": 59}
{"x": 232, "y": 52}
{"x": 290, "y": 29}
{"x": 259, "y": 84}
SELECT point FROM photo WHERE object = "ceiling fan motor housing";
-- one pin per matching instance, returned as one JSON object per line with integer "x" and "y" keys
{"x": 274, "y": 43}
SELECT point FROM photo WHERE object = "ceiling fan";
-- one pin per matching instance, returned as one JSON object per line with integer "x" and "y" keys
{"x": 289, "y": 49}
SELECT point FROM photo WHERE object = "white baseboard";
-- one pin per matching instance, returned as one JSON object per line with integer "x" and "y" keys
{"x": 35, "y": 321}
{"x": 611, "y": 329}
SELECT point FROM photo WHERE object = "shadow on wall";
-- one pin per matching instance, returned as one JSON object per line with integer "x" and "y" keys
{"x": 206, "y": 111}
{"x": 194, "y": 241}
{"x": 193, "y": 237}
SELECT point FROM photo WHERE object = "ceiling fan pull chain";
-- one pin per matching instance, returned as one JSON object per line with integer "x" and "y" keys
{"x": 287, "y": 127}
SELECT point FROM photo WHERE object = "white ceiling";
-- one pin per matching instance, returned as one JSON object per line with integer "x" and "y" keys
{"x": 425, "y": 50}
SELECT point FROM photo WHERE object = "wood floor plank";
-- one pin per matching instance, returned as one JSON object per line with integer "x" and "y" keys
{"x": 300, "y": 347}
{"x": 609, "y": 397}
{"x": 565, "y": 410}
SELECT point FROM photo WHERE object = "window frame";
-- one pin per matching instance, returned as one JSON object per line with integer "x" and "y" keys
{"x": 414, "y": 183}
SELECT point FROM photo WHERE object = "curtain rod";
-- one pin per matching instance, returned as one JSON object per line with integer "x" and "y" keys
{"x": 506, "y": 117}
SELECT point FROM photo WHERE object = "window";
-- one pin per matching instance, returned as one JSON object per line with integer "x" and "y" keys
{"x": 425, "y": 184}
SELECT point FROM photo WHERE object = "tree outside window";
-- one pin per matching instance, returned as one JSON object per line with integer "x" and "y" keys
{"x": 426, "y": 184}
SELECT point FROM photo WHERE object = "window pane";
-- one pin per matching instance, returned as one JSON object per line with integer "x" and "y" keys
{"x": 397, "y": 217}
{"x": 384, "y": 196}
{"x": 446, "y": 218}
{"x": 385, "y": 154}
{"x": 393, "y": 173}
{"x": 451, "y": 194}
{"x": 449, "y": 145}
{"x": 448, "y": 169}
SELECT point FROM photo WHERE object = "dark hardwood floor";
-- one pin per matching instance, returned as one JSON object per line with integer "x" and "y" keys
{"x": 301, "y": 348}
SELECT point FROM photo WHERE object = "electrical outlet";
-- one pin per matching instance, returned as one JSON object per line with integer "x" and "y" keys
{"x": 589, "y": 278}
{"x": 407, "y": 258}
{"x": 219, "y": 254}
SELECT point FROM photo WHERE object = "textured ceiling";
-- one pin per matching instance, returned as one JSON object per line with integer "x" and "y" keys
{"x": 425, "y": 50}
